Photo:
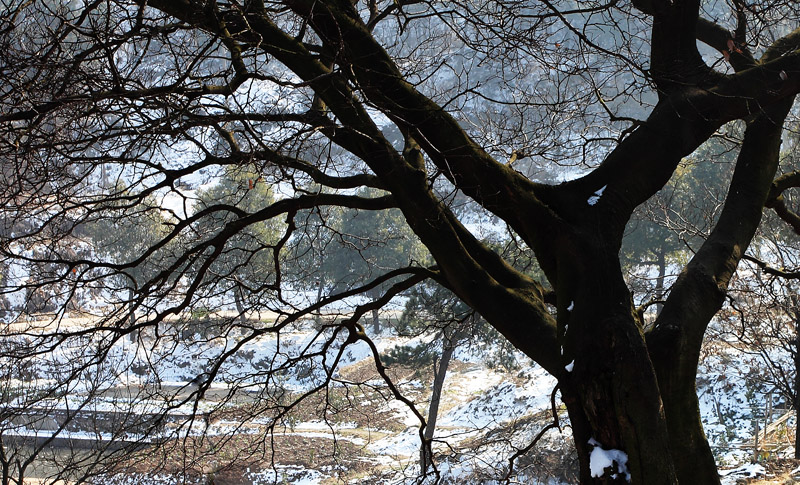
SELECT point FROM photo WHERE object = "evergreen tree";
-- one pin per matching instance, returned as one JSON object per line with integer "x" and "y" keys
{"x": 246, "y": 263}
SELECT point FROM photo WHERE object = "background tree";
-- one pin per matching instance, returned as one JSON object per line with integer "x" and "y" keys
{"x": 432, "y": 307}
{"x": 496, "y": 101}
{"x": 248, "y": 257}
{"x": 368, "y": 243}
{"x": 674, "y": 223}
{"x": 341, "y": 249}
{"x": 120, "y": 236}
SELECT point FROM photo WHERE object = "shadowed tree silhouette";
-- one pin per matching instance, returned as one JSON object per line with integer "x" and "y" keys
{"x": 424, "y": 104}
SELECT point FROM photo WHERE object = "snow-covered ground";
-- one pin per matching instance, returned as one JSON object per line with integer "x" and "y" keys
{"x": 486, "y": 414}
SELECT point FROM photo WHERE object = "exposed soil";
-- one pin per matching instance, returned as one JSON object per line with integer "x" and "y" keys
{"x": 228, "y": 460}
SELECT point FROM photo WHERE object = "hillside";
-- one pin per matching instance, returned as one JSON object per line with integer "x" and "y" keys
{"x": 355, "y": 430}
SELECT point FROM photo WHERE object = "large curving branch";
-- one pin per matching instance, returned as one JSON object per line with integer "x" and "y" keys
{"x": 710, "y": 270}
{"x": 644, "y": 161}
{"x": 446, "y": 143}
{"x": 675, "y": 341}
{"x": 465, "y": 263}
{"x": 776, "y": 201}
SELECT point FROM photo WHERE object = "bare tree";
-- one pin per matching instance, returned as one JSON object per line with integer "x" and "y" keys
{"x": 763, "y": 312}
{"x": 427, "y": 102}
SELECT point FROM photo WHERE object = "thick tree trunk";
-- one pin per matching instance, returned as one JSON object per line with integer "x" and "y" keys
{"x": 692, "y": 455}
{"x": 675, "y": 357}
{"x": 608, "y": 383}
{"x": 613, "y": 403}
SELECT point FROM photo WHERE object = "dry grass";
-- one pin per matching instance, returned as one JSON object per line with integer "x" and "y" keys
{"x": 779, "y": 473}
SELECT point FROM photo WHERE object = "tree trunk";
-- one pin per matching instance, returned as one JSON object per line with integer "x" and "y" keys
{"x": 608, "y": 382}
{"x": 4, "y": 466}
{"x": 376, "y": 322}
{"x": 440, "y": 372}
{"x": 613, "y": 402}
{"x": 237, "y": 298}
{"x": 661, "y": 261}
{"x": 675, "y": 357}
{"x": 796, "y": 405}
{"x": 132, "y": 316}
{"x": 318, "y": 312}
{"x": 319, "y": 291}
{"x": 756, "y": 432}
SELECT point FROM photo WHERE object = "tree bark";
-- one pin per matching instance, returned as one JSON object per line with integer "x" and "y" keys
{"x": 608, "y": 383}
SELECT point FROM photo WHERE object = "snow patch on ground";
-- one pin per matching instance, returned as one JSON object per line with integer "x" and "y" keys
{"x": 398, "y": 446}
{"x": 751, "y": 470}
